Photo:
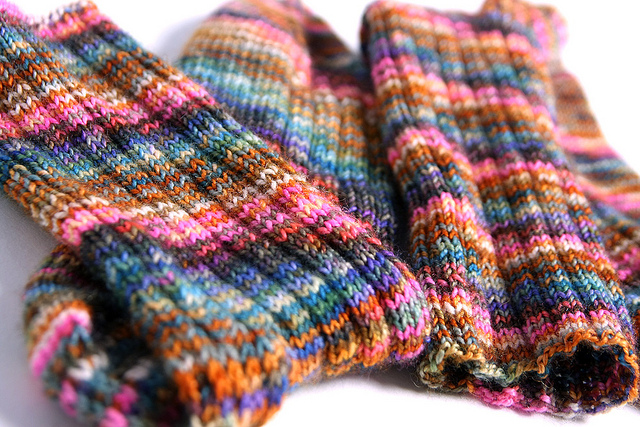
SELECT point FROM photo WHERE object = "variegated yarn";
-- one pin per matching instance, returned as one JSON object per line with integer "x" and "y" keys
{"x": 527, "y": 308}
{"x": 200, "y": 276}
{"x": 225, "y": 229}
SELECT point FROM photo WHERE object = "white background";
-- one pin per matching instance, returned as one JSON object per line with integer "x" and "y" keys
{"x": 602, "y": 51}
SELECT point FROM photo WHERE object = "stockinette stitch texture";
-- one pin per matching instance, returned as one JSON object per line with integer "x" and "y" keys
{"x": 524, "y": 230}
{"x": 200, "y": 277}
{"x": 527, "y": 307}
{"x": 281, "y": 72}
{"x": 611, "y": 186}
{"x": 228, "y": 55}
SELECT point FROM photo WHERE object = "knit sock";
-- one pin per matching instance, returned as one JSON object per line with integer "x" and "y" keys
{"x": 609, "y": 184}
{"x": 612, "y": 187}
{"x": 527, "y": 310}
{"x": 200, "y": 276}
{"x": 281, "y": 72}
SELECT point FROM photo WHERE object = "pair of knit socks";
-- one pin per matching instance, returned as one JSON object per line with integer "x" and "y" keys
{"x": 226, "y": 233}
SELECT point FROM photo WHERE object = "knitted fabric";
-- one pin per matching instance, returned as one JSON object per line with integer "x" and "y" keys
{"x": 611, "y": 186}
{"x": 200, "y": 276}
{"x": 203, "y": 276}
{"x": 527, "y": 308}
{"x": 280, "y": 71}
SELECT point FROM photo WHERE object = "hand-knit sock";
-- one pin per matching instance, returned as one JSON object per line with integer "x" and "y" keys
{"x": 281, "y": 72}
{"x": 612, "y": 187}
{"x": 200, "y": 275}
{"x": 526, "y": 307}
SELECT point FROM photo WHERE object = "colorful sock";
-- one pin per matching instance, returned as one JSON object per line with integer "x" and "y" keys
{"x": 280, "y": 71}
{"x": 200, "y": 275}
{"x": 612, "y": 187}
{"x": 527, "y": 310}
